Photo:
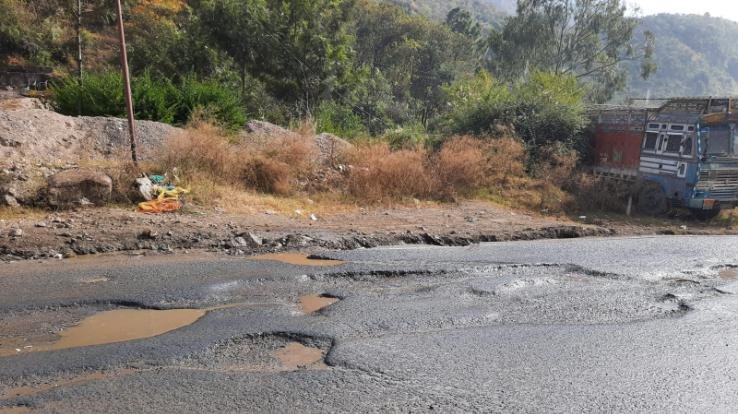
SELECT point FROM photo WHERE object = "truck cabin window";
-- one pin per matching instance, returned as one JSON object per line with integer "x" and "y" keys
{"x": 718, "y": 142}
{"x": 673, "y": 144}
{"x": 650, "y": 141}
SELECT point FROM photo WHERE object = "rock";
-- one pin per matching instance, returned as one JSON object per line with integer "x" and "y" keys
{"x": 79, "y": 187}
{"x": 240, "y": 241}
{"x": 313, "y": 217}
{"x": 331, "y": 147}
{"x": 266, "y": 129}
{"x": 148, "y": 234}
{"x": 9, "y": 201}
{"x": 15, "y": 233}
{"x": 41, "y": 225}
{"x": 250, "y": 239}
{"x": 254, "y": 239}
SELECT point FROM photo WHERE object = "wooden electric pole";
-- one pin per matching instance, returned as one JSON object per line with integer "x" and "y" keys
{"x": 80, "y": 74}
{"x": 126, "y": 82}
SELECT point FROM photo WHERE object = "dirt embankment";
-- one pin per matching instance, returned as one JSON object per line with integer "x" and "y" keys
{"x": 105, "y": 230}
{"x": 35, "y": 143}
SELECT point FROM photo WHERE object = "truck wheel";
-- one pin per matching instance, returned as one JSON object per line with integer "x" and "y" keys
{"x": 704, "y": 215}
{"x": 652, "y": 200}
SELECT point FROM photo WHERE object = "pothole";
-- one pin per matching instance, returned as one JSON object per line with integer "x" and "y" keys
{"x": 33, "y": 389}
{"x": 310, "y": 304}
{"x": 262, "y": 354}
{"x": 296, "y": 355}
{"x": 113, "y": 326}
{"x": 297, "y": 259}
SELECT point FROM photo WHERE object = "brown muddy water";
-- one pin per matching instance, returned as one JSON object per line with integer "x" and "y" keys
{"x": 296, "y": 355}
{"x": 31, "y": 390}
{"x": 115, "y": 326}
{"x": 729, "y": 273}
{"x": 296, "y": 259}
{"x": 310, "y": 304}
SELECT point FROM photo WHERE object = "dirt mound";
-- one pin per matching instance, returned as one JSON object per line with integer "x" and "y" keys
{"x": 36, "y": 143}
{"x": 327, "y": 146}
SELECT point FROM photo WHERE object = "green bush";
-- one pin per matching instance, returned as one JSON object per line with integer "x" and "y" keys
{"x": 102, "y": 95}
{"x": 408, "y": 137}
{"x": 542, "y": 109}
{"x": 212, "y": 97}
{"x": 154, "y": 99}
{"x": 339, "y": 120}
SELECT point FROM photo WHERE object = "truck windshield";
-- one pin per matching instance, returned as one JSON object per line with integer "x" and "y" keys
{"x": 718, "y": 142}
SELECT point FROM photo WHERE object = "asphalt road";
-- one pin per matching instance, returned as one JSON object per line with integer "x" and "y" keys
{"x": 587, "y": 325}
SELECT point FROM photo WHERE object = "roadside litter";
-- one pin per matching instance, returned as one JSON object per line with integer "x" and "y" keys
{"x": 161, "y": 198}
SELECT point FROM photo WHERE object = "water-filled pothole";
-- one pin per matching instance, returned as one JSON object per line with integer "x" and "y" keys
{"x": 296, "y": 355}
{"x": 729, "y": 273}
{"x": 34, "y": 389}
{"x": 297, "y": 259}
{"x": 114, "y": 326}
{"x": 310, "y": 304}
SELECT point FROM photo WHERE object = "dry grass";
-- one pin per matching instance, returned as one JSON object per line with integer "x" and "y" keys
{"x": 380, "y": 175}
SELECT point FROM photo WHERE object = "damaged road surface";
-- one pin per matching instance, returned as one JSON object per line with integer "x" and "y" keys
{"x": 586, "y": 325}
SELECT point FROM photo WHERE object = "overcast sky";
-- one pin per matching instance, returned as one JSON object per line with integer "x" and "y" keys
{"x": 718, "y": 8}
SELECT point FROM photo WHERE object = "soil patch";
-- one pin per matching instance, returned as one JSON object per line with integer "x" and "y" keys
{"x": 310, "y": 304}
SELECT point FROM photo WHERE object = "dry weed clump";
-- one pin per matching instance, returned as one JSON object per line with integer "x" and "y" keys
{"x": 204, "y": 154}
{"x": 379, "y": 174}
{"x": 593, "y": 193}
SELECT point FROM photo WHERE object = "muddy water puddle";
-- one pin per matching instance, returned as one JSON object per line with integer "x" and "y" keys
{"x": 115, "y": 326}
{"x": 310, "y": 304}
{"x": 295, "y": 356}
{"x": 296, "y": 259}
{"x": 35, "y": 389}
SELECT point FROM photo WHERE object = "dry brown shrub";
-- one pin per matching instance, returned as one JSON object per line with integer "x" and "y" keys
{"x": 202, "y": 151}
{"x": 277, "y": 165}
{"x": 466, "y": 164}
{"x": 462, "y": 165}
{"x": 268, "y": 175}
{"x": 596, "y": 193}
{"x": 556, "y": 165}
{"x": 507, "y": 159}
{"x": 381, "y": 175}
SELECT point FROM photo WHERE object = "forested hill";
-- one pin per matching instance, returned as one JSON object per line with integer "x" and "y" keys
{"x": 696, "y": 55}
{"x": 490, "y": 13}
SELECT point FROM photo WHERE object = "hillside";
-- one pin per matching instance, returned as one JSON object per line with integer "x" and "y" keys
{"x": 696, "y": 55}
{"x": 489, "y": 12}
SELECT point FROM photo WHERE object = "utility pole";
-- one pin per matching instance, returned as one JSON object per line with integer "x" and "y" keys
{"x": 79, "y": 56}
{"x": 127, "y": 82}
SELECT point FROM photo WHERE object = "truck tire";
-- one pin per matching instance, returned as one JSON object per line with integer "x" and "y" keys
{"x": 652, "y": 199}
{"x": 704, "y": 215}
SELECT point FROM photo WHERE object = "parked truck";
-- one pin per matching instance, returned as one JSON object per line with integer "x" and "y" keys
{"x": 682, "y": 153}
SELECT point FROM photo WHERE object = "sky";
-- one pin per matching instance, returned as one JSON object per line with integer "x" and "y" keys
{"x": 718, "y": 8}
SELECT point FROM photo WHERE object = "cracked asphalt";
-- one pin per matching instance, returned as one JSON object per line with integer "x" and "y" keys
{"x": 588, "y": 325}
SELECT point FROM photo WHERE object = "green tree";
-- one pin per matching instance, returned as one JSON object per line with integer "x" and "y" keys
{"x": 461, "y": 21}
{"x": 588, "y": 39}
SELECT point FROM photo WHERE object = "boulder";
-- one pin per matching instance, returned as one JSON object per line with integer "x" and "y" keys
{"x": 79, "y": 187}
{"x": 331, "y": 147}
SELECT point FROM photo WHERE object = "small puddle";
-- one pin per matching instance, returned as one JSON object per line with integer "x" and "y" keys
{"x": 310, "y": 304}
{"x": 296, "y": 355}
{"x": 116, "y": 326}
{"x": 729, "y": 273}
{"x": 32, "y": 390}
{"x": 296, "y": 259}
